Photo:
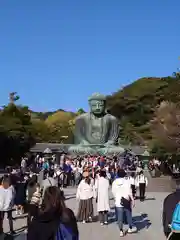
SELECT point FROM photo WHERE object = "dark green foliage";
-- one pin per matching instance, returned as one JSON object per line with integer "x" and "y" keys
{"x": 21, "y": 128}
{"x": 134, "y": 105}
{"x": 80, "y": 111}
{"x": 138, "y": 100}
{"x": 15, "y": 133}
{"x": 157, "y": 150}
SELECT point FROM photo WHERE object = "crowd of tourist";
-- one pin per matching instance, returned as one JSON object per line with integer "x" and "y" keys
{"x": 44, "y": 205}
{"x": 40, "y": 195}
{"x": 29, "y": 192}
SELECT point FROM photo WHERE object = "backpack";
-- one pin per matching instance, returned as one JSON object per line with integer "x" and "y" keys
{"x": 175, "y": 224}
{"x": 65, "y": 233}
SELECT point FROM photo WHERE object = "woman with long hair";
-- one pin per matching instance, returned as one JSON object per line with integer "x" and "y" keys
{"x": 53, "y": 218}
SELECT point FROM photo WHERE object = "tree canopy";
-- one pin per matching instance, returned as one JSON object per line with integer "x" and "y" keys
{"x": 15, "y": 133}
{"x": 136, "y": 105}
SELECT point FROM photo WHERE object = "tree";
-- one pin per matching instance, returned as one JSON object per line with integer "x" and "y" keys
{"x": 59, "y": 126}
{"x": 15, "y": 133}
{"x": 72, "y": 121}
{"x": 129, "y": 134}
{"x": 80, "y": 111}
{"x": 136, "y": 103}
{"x": 40, "y": 131}
{"x": 165, "y": 126}
{"x": 158, "y": 150}
{"x": 59, "y": 118}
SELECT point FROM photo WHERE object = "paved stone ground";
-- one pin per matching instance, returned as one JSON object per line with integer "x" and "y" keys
{"x": 147, "y": 217}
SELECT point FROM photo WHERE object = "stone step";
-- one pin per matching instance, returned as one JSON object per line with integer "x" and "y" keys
{"x": 160, "y": 184}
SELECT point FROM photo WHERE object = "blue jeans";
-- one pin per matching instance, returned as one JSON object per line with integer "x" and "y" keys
{"x": 120, "y": 212}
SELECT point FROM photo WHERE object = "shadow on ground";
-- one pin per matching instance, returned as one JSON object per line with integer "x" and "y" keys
{"x": 147, "y": 199}
{"x": 141, "y": 221}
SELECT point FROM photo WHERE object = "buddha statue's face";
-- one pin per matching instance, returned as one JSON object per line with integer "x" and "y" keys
{"x": 97, "y": 107}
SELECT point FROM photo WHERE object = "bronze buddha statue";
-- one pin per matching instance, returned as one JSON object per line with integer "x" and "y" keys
{"x": 96, "y": 132}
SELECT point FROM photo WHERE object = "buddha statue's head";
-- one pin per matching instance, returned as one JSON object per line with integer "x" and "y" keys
{"x": 97, "y": 103}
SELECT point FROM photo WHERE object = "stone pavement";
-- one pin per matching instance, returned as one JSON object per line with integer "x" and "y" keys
{"x": 147, "y": 217}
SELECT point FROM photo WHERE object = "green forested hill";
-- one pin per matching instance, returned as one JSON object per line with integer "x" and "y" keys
{"x": 138, "y": 100}
{"x": 134, "y": 105}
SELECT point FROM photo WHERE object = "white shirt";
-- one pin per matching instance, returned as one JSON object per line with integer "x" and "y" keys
{"x": 132, "y": 181}
{"x": 6, "y": 198}
{"x": 121, "y": 189}
{"x": 84, "y": 191}
{"x": 141, "y": 179}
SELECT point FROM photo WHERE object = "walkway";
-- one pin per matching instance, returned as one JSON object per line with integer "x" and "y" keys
{"x": 147, "y": 216}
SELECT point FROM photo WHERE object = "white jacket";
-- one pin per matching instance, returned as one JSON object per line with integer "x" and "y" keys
{"x": 6, "y": 198}
{"x": 85, "y": 191}
{"x": 102, "y": 194}
{"x": 121, "y": 189}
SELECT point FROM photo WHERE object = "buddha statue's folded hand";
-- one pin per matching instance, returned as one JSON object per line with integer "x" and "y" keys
{"x": 109, "y": 144}
{"x": 84, "y": 142}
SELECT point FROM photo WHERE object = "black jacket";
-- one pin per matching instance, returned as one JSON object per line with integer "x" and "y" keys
{"x": 169, "y": 205}
{"x": 45, "y": 226}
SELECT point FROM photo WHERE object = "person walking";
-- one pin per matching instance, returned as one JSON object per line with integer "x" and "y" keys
{"x": 46, "y": 167}
{"x": 124, "y": 201}
{"x": 133, "y": 184}
{"x": 77, "y": 175}
{"x": 33, "y": 199}
{"x": 141, "y": 182}
{"x": 7, "y": 194}
{"x": 49, "y": 181}
{"x": 85, "y": 194}
{"x": 102, "y": 195}
{"x": 20, "y": 196}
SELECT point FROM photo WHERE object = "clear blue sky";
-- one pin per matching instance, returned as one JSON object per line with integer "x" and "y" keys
{"x": 56, "y": 53}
